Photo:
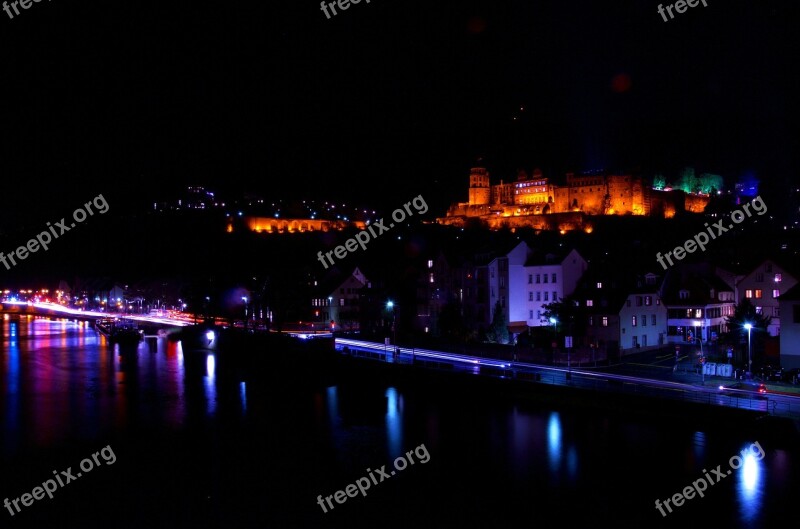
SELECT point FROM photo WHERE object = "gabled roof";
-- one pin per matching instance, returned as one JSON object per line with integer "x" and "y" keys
{"x": 699, "y": 281}
{"x": 549, "y": 257}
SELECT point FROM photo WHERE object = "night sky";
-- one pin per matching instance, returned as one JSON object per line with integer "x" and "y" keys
{"x": 137, "y": 101}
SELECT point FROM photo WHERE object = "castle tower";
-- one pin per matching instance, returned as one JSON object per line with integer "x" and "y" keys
{"x": 479, "y": 190}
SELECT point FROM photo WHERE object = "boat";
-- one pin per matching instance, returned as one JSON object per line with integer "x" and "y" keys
{"x": 119, "y": 331}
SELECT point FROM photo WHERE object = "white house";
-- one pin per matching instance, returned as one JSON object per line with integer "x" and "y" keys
{"x": 789, "y": 304}
{"x": 642, "y": 321}
{"x": 547, "y": 278}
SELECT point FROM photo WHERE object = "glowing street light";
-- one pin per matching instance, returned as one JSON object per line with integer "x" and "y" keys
{"x": 749, "y": 327}
{"x": 390, "y": 305}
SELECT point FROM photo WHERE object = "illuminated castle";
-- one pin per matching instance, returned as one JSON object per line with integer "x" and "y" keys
{"x": 538, "y": 203}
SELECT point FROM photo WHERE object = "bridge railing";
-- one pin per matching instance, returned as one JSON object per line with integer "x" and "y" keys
{"x": 559, "y": 376}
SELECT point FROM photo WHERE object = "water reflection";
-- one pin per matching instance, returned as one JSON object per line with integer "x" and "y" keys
{"x": 394, "y": 422}
{"x": 554, "y": 442}
{"x": 750, "y": 483}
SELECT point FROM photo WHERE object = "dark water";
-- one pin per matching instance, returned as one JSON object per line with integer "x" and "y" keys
{"x": 196, "y": 447}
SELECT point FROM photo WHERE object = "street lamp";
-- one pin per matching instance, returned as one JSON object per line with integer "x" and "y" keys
{"x": 244, "y": 300}
{"x": 749, "y": 327}
{"x": 699, "y": 335}
{"x": 390, "y": 305}
{"x": 555, "y": 337}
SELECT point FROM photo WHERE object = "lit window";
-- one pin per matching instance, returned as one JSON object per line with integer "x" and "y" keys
{"x": 599, "y": 285}
{"x": 633, "y": 321}
{"x": 605, "y": 321}
{"x": 778, "y": 278}
{"x": 430, "y": 263}
{"x": 760, "y": 310}
{"x": 589, "y": 303}
{"x": 698, "y": 313}
{"x": 748, "y": 293}
{"x": 758, "y": 294}
{"x": 648, "y": 300}
{"x": 776, "y": 293}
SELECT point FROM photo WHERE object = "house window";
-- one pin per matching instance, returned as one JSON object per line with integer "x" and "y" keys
{"x": 638, "y": 301}
{"x": 633, "y": 321}
{"x": 545, "y": 278}
{"x": 760, "y": 310}
{"x": 538, "y": 315}
{"x": 758, "y": 294}
{"x": 684, "y": 294}
{"x": 648, "y": 300}
{"x": 554, "y": 279}
{"x": 759, "y": 278}
{"x": 430, "y": 277}
{"x": 599, "y": 285}
{"x": 776, "y": 312}
{"x": 530, "y": 296}
{"x": 502, "y": 281}
{"x": 748, "y": 293}
{"x": 698, "y": 313}
{"x": 538, "y": 296}
{"x": 555, "y": 296}
{"x": 530, "y": 279}
{"x": 546, "y": 296}
{"x": 430, "y": 263}
{"x": 653, "y": 320}
{"x": 644, "y": 320}
{"x": 530, "y": 315}
{"x": 778, "y": 278}
{"x": 341, "y": 302}
{"x": 776, "y": 293}
{"x": 589, "y": 303}
{"x": 605, "y": 321}
{"x": 591, "y": 321}
{"x": 538, "y": 279}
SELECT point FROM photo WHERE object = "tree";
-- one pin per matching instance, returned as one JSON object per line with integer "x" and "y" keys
{"x": 659, "y": 182}
{"x": 570, "y": 317}
{"x": 710, "y": 183}
{"x": 498, "y": 330}
{"x": 745, "y": 312}
{"x": 688, "y": 181}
